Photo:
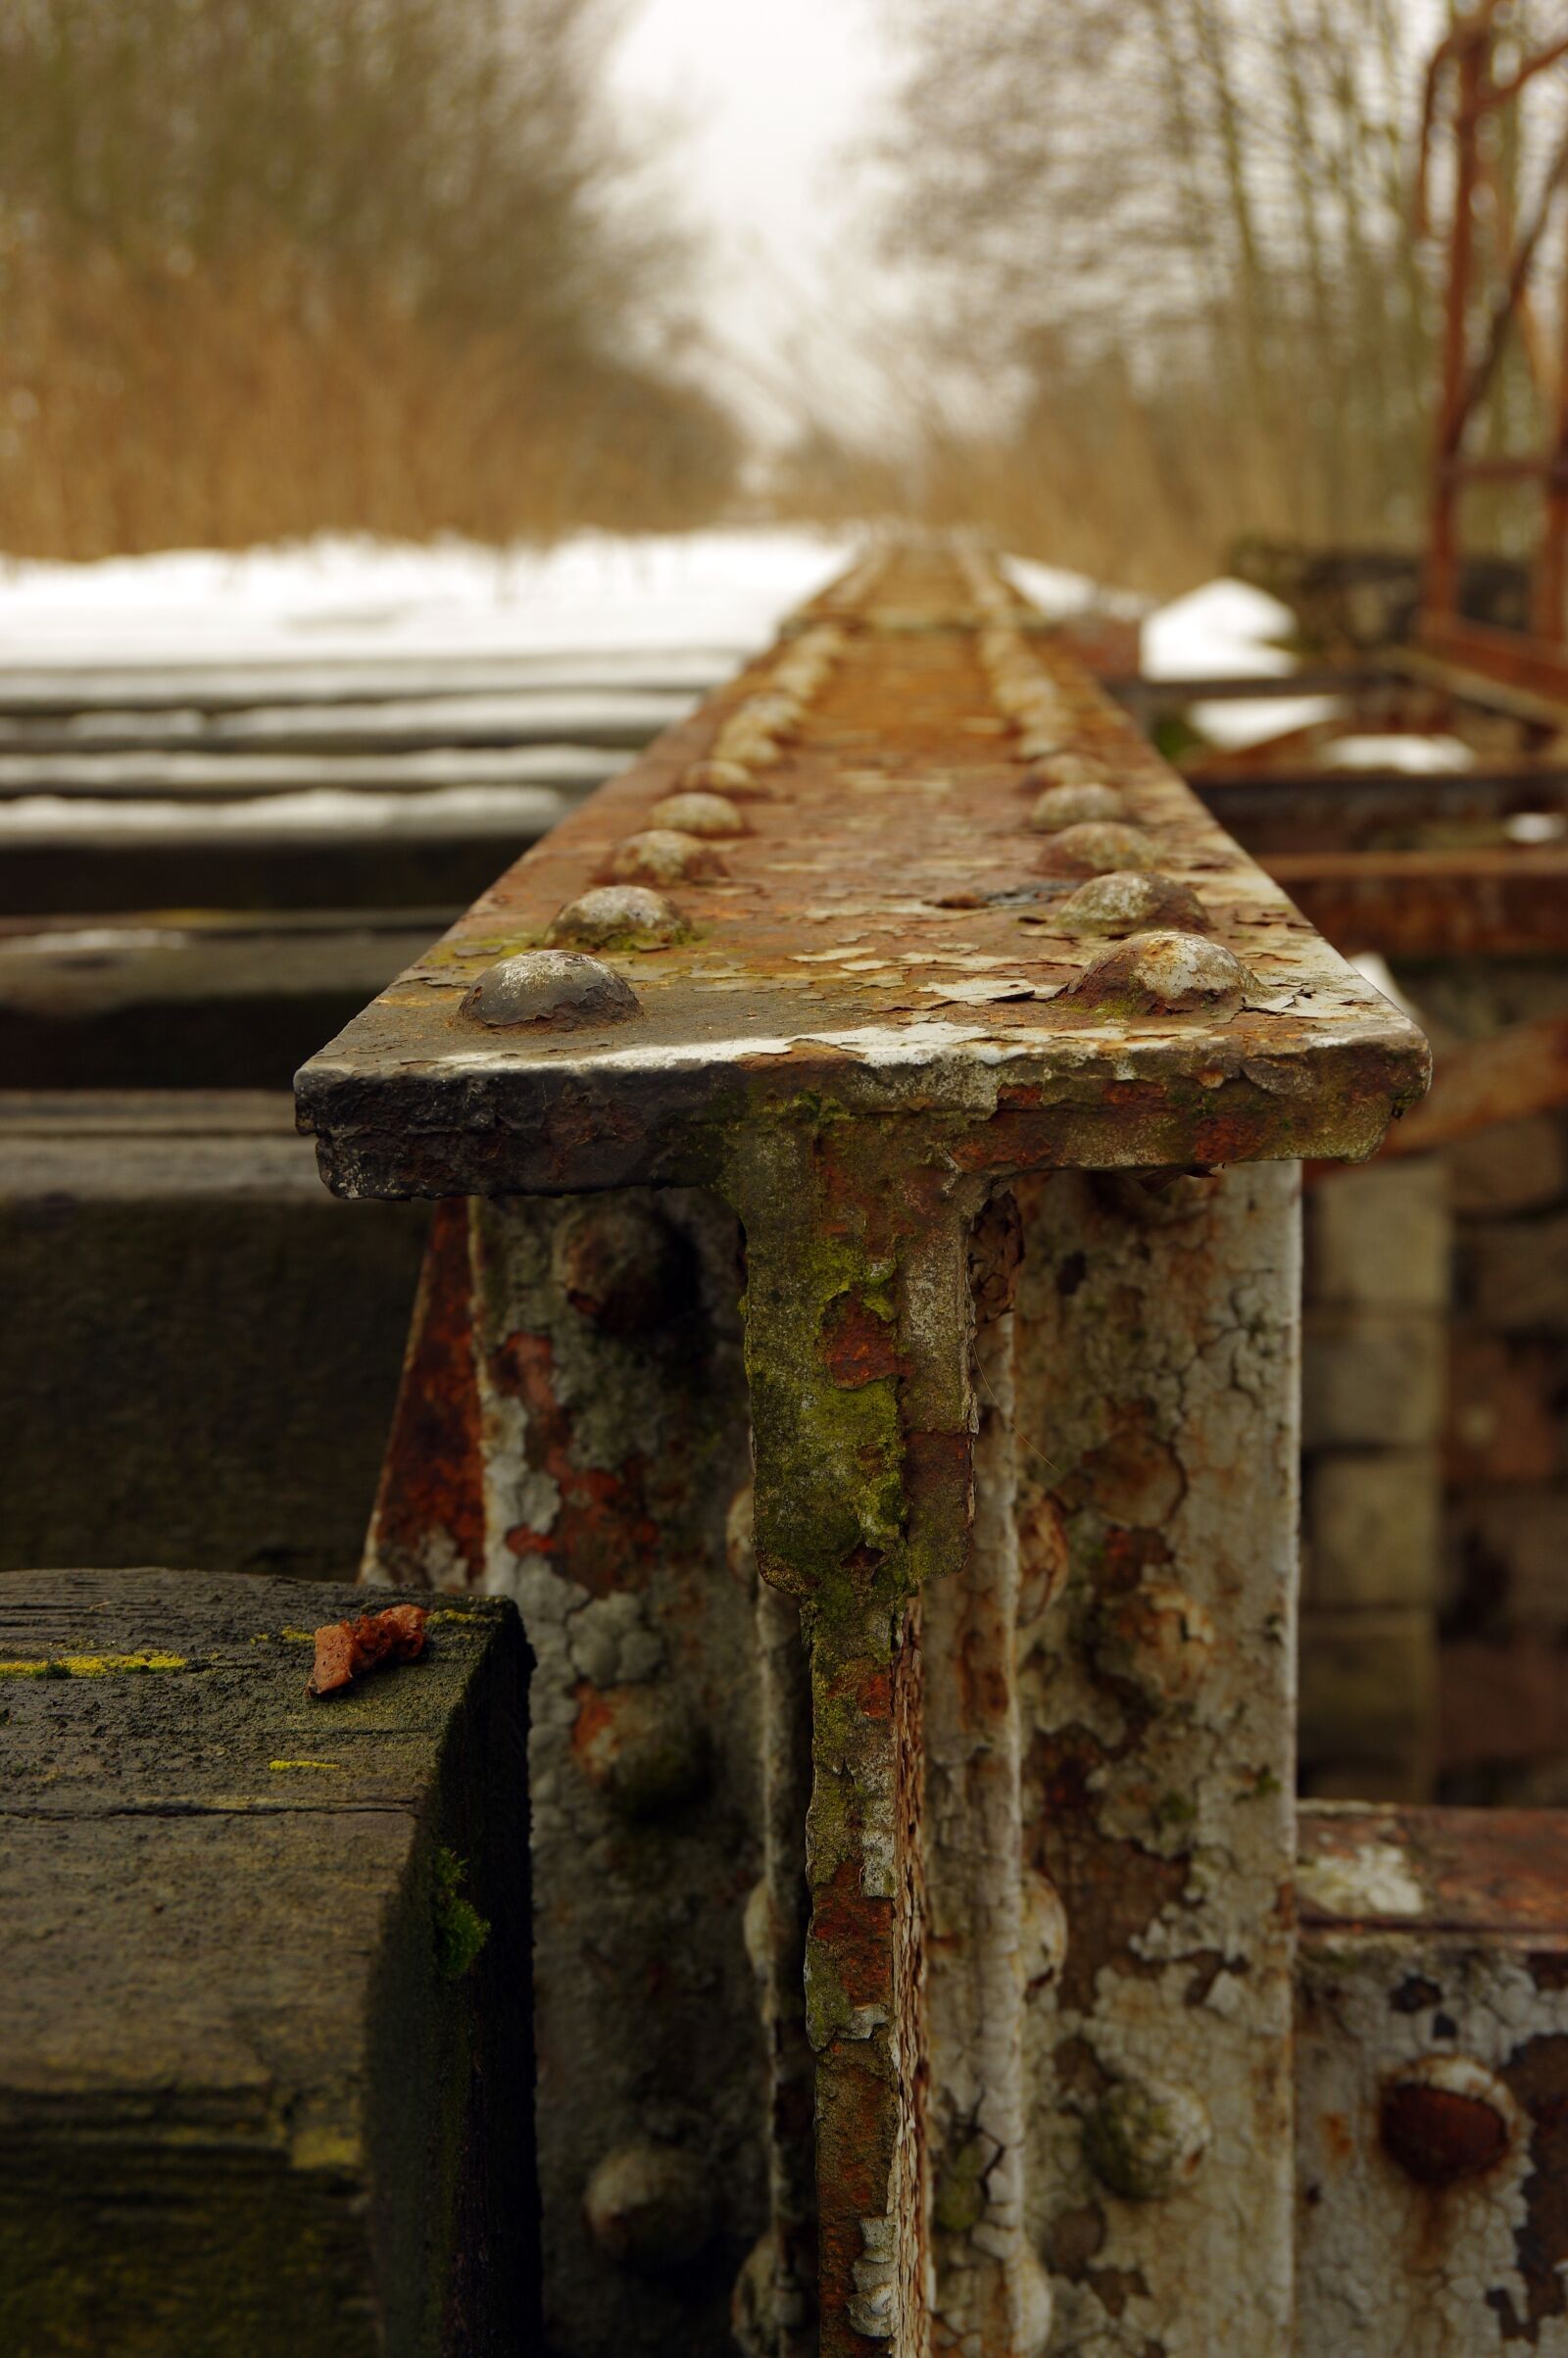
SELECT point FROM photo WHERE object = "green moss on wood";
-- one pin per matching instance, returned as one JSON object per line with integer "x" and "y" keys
{"x": 461, "y": 1931}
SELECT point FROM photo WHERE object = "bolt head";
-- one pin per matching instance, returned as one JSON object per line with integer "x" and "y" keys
{"x": 1158, "y": 1639}
{"x": 1125, "y": 903}
{"x": 1146, "y": 2141}
{"x": 731, "y": 778}
{"x": 1076, "y": 802}
{"x": 1165, "y": 973}
{"x": 661, "y": 856}
{"x": 710, "y": 816}
{"x": 652, "y": 2207}
{"x": 1095, "y": 847}
{"x": 1447, "y": 2118}
{"x": 779, "y": 713}
{"x": 617, "y": 916}
{"x": 555, "y": 990}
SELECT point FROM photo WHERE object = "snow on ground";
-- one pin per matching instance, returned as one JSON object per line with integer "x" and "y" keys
{"x": 356, "y": 599}
{"x": 339, "y": 598}
{"x": 1061, "y": 594}
{"x": 1372, "y": 751}
{"x": 1229, "y": 626}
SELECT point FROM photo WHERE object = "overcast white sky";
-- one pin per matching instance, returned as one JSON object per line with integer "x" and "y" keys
{"x": 768, "y": 94}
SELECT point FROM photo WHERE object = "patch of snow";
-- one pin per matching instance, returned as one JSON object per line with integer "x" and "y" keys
{"x": 1378, "y": 1880}
{"x": 1228, "y": 629}
{"x": 1226, "y": 626}
{"x": 326, "y": 811}
{"x": 342, "y": 597}
{"x": 1433, "y": 754}
{"x": 1060, "y": 595}
{"x": 1373, "y": 967}
{"x": 1536, "y": 826}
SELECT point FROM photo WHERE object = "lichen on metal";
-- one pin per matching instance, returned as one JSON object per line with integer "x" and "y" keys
{"x": 1038, "y": 1893}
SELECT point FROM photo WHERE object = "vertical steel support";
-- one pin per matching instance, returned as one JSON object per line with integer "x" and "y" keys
{"x": 1158, "y": 1339}
{"x": 607, "y": 1438}
{"x": 857, "y": 1331}
{"x": 995, "y": 1927}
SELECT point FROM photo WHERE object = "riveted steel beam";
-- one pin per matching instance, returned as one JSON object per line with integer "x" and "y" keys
{"x": 907, "y": 914}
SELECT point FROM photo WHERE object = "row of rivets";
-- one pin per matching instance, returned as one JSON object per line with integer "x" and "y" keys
{"x": 562, "y": 987}
{"x": 1160, "y": 961}
{"x": 652, "y": 2206}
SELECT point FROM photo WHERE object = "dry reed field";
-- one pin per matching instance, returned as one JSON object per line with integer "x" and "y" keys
{"x": 1172, "y": 283}
{"x": 271, "y": 267}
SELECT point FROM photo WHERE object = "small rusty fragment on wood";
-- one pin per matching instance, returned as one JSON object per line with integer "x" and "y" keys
{"x": 345, "y": 1651}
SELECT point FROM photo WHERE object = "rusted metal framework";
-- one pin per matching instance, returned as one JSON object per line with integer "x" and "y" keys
{"x": 1481, "y": 42}
{"x": 867, "y": 1137}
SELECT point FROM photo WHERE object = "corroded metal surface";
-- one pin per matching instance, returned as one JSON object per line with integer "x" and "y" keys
{"x": 1158, "y": 1338}
{"x": 569, "y": 1433}
{"x": 905, "y": 961}
{"x": 1432, "y": 2082}
{"x": 885, "y": 929}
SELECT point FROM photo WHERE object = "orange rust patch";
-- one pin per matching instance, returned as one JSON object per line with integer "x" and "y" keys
{"x": 858, "y": 1345}
{"x": 432, "y": 1479}
{"x": 603, "y": 1526}
{"x": 856, "y": 1931}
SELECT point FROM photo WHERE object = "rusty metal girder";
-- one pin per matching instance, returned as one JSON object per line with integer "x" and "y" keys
{"x": 1432, "y": 2082}
{"x": 907, "y": 914}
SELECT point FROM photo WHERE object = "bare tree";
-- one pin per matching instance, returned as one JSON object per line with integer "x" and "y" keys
{"x": 1183, "y": 228}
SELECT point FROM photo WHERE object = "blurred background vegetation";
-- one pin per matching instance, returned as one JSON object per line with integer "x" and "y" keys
{"x": 271, "y": 267}
{"x": 1172, "y": 243}
{"x": 274, "y": 266}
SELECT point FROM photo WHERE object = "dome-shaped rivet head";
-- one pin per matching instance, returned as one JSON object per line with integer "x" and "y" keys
{"x": 779, "y": 712}
{"x": 1096, "y": 846}
{"x": 622, "y": 1265}
{"x": 730, "y": 778}
{"x": 1146, "y": 2141}
{"x": 712, "y": 816}
{"x": 1165, "y": 973}
{"x": 1157, "y": 1638}
{"x": 652, "y": 2207}
{"x": 664, "y": 856}
{"x": 617, "y": 916}
{"x": 559, "y": 990}
{"x": 1445, "y": 2118}
{"x": 1072, "y": 801}
{"x": 640, "y": 1746}
{"x": 1126, "y": 902}
{"x": 1044, "y": 738}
